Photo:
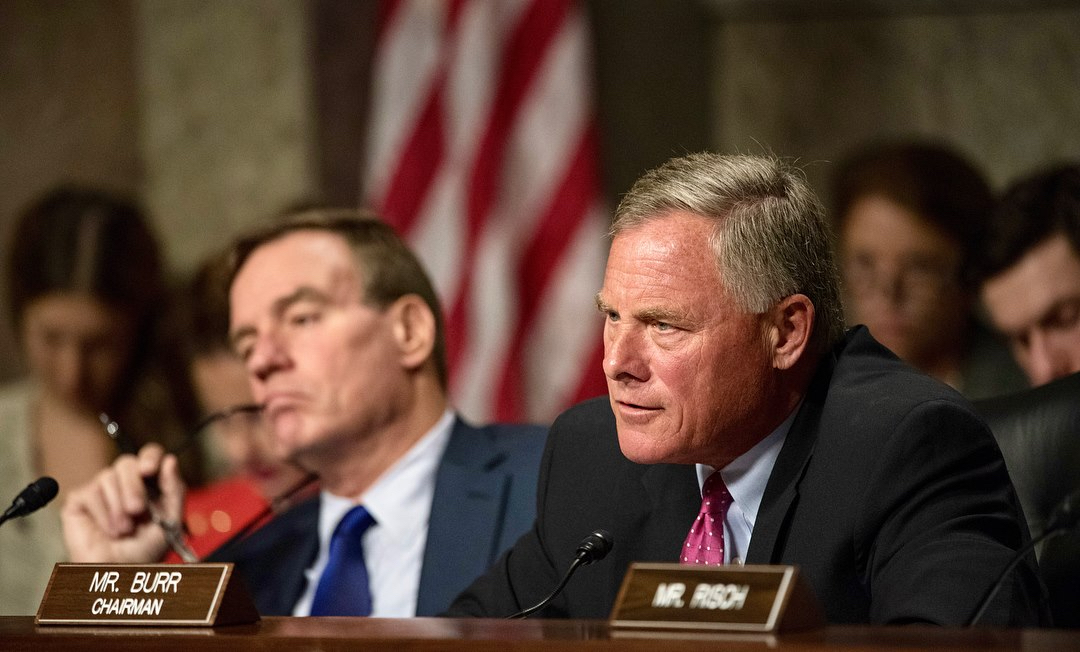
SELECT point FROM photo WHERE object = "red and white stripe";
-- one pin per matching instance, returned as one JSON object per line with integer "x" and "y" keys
{"x": 483, "y": 152}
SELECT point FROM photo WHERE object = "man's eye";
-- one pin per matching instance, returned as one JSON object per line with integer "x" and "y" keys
{"x": 1066, "y": 316}
{"x": 302, "y": 318}
{"x": 664, "y": 326}
{"x": 612, "y": 315}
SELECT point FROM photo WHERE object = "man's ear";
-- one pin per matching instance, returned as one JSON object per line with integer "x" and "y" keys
{"x": 790, "y": 326}
{"x": 414, "y": 330}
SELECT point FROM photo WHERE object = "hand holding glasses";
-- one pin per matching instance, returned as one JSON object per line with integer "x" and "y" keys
{"x": 174, "y": 530}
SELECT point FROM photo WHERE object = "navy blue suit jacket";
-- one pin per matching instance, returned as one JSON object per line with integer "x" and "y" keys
{"x": 485, "y": 490}
{"x": 889, "y": 493}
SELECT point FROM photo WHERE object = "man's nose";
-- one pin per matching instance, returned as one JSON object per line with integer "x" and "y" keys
{"x": 623, "y": 353}
{"x": 267, "y": 356}
{"x": 1046, "y": 361}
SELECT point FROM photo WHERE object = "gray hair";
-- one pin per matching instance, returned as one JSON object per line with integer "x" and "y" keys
{"x": 771, "y": 238}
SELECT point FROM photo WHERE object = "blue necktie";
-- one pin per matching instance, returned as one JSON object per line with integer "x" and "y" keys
{"x": 343, "y": 588}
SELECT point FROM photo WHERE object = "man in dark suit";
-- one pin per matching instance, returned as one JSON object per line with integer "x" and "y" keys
{"x": 730, "y": 376}
{"x": 342, "y": 337}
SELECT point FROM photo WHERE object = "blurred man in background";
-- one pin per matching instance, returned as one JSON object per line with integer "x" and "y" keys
{"x": 1031, "y": 272}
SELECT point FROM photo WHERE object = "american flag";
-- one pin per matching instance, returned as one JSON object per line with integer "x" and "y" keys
{"x": 483, "y": 152}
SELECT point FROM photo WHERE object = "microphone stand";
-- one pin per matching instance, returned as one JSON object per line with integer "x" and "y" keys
{"x": 1063, "y": 518}
{"x": 551, "y": 596}
{"x": 592, "y": 548}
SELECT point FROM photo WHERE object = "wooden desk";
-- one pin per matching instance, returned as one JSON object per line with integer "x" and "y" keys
{"x": 19, "y": 634}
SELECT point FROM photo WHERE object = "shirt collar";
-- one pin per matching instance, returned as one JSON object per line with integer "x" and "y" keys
{"x": 393, "y": 499}
{"x": 747, "y": 475}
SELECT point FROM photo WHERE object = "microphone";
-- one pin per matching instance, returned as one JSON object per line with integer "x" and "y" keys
{"x": 592, "y": 548}
{"x": 35, "y": 496}
{"x": 1062, "y": 519}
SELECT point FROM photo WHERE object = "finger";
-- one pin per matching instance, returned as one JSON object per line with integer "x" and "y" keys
{"x": 113, "y": 485}
{"x": 172, "y": 489}
{"x": 149, "y": 459}
{"x": 85, "y": 513}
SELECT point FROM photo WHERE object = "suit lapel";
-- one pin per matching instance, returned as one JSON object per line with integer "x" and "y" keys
{"x": 674, "y": 500}
{"x": 273, "y": 559}
{"x": 781, "y": 492}
{"x": 469, "y": 498}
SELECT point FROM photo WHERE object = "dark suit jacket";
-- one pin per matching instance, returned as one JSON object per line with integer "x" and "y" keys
{"x": 889, "y": 493}
{"x": 484, "y": 500}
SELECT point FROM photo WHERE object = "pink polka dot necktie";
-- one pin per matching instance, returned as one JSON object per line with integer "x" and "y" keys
{"x": 705, "y": 542}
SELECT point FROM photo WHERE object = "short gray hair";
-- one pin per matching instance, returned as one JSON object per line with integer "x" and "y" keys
{"x": 771, "y": 239}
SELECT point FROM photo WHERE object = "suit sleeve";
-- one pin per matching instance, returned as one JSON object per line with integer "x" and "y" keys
{"x": 516, "y": 579}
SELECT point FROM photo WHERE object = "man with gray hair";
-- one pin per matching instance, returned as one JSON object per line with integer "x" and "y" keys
{"x": 734, "y": 387}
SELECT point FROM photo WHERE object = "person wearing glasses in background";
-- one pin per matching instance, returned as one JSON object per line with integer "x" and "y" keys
{"x": 85, "y": 282}
{"x": 342, "y": 338}
{"x": 248, "y": 480}
{"x": 910, "y": 217}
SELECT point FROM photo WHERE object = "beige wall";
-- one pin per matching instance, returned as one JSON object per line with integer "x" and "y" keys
{"x": 226, "y": 123}
{"x": 1003, "y": 86}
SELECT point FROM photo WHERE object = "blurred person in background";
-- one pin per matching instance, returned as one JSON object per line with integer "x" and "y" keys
{"x": 248, "y": 476}
{"x": 1031, "y": 272}
{"x": 910, "y": 217}
{"x": 85, "y": 282}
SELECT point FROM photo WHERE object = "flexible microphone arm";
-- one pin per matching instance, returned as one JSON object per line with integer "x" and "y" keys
{"x": 592, "y": 548}
{"x": 1061, "y": 520}
{"x": 36, "y": 495}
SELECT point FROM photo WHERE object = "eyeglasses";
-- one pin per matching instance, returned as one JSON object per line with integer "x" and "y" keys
{"x": 175, "y": 531}
{"x": 916, "y": 279}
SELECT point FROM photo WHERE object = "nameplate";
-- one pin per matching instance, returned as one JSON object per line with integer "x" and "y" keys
{"x": 145, "y": 594}
{"x": 763, "y": 599}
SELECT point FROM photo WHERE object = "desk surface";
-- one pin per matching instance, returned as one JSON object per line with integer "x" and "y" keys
{"x": 18, "y": 633}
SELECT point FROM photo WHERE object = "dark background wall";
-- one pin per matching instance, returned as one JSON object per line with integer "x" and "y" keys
{"x": 218, "y": 113}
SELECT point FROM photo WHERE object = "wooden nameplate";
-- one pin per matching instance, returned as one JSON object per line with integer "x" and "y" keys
{"x": 174, "y": 595}
{"x": 749, "y": 599}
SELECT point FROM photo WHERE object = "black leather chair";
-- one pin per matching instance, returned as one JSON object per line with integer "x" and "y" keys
{"x": 1038, "y": 431}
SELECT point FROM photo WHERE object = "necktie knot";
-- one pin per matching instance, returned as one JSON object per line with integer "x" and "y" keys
{"x": 715, "y": 497}
{"x": 352, "y": 526}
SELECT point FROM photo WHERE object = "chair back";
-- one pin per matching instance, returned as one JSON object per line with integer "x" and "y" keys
{"x": 1038, "y": 431}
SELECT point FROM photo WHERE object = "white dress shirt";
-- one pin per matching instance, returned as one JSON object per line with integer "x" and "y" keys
{"x": 400, "y": 502}
{"x": 746, "y": 477}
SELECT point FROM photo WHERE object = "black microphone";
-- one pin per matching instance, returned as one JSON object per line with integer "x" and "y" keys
{"x": 35, "y": 496}
{"x": 592, "y": 548}
{"x": 1062, "y": 519}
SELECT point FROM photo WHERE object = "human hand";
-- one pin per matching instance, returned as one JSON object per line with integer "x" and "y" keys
{"x": 109, "y": 519}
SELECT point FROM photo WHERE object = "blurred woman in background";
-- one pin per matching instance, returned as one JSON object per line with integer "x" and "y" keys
{"x": 910, "y": 217}
{"x": 85, "y": 284}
